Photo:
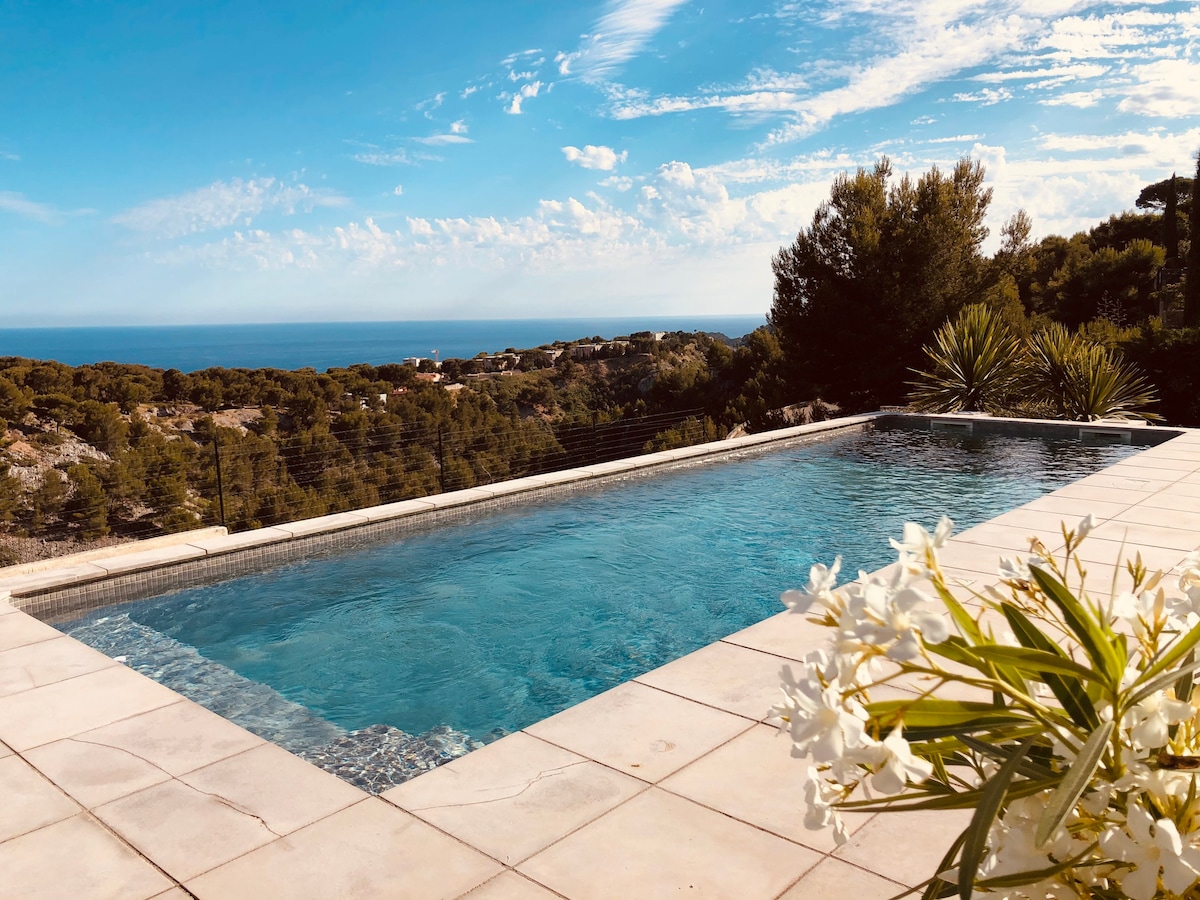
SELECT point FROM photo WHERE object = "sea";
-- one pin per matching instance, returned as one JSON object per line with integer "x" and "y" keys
{"x": 326, "y": 345}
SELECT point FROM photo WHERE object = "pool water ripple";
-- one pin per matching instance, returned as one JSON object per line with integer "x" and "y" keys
{"x": 498, "y": 621}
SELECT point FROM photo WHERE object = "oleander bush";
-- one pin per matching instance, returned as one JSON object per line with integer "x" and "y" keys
{"x": 1080, "y": 755}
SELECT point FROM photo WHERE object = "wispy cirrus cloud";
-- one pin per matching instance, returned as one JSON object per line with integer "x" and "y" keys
{"x": 13, "y": 202}
{"x": 222, "y": 204}
{"x": 621, "y": 33}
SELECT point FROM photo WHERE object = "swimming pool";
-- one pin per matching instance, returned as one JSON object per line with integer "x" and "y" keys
{"x": 494, "y": 622}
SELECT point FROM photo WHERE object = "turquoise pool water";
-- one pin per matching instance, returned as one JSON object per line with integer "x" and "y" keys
{"x": 499, "y": 621}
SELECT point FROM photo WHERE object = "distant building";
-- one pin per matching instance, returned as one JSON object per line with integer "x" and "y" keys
{"x": 413, "y": 361}
{"x": 584, "y": 351}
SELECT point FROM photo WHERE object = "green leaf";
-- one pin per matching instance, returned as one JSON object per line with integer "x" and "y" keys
{"x": 1183, "y": 687}
{"x": 1029, "y": 768}
{"x": 991, "y": 799}
{"x": 928, "y": 718}
{"x": 1145, "y": 688}
{"x": 1028, "y": 659}
{"x": 1178, "y": 651}
{"x": 955, "y": 800}
{"x": 937, "y": 886}
{"x": 1075, "y": 780}
{"x": 1034, "y": 876}
{"x": 1095, "y": 638}
{"x": 1069, "y": 691}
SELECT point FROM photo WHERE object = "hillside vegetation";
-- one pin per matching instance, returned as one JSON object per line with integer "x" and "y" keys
{"x": 108, "y": 452}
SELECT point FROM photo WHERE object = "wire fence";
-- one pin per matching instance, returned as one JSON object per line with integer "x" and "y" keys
{"x": 59, "y": 494}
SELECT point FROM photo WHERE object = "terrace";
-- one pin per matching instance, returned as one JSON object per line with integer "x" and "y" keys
{"x": 675, "y": 781}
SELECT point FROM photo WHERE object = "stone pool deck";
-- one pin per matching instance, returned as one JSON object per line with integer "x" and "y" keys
{"x": 113, "y": 786}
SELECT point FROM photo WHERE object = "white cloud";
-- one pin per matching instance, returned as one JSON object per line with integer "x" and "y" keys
{"x": 621, "y": 33}
{"x": 1080, "y": 99}
{"x": 221, "y": 205}
{"x": 1168, "y": 88}
{"x": 11, "y": 157}
{"x": 527, "y": 91}
{"x": 13, "y": 202}
{"x": 376, "y": 156}
{"x": 620, "y": 183}
{"x": 398, "y": 190}
{"x": 953, "y": 139}
{"x": 435, "y": 140}
{"x": 1081, "y": 70}
{"x": 985, "y": 97}
{"x": 459, "y": 127}
{"x": 593, "y": 157}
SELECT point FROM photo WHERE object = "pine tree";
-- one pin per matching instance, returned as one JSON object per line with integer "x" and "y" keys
{"x": 1191, "y": 286}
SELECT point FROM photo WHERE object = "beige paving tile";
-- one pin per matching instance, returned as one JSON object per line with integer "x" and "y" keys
{"x": 176, "y": 738}
{"x": 1168, "y": 499}
{"x": 1101, "y": 495}
{"x": 46, "y": 662}
{"x": 514, "y": 797}
{"x": 1126, "y": 481}
{"x": 875, "y": 846}
{"x": 1163, "y": 518}
{"x": 1093, "y": 550}
{"x": 6, "y": 608}
{"x": 1009, "y": 538}
{"x": 509, "y": 886}
{"x": 94, "y": 774}
{"x": 981, "y": 559}
{"x": 639, "y": 730}
{"x": 173, "y": 894}
{"x": 184, "y": 831}
{"x": 19, "y": 629}
{"x": 660, "y": 845}
{"x": 149, "y": 559}
{"x": 1152, "y": 461}
{"x": 1135, "y": 534}
{"x": 833, "y": 878}
{"x": 283, "y": 790}
{"x": 1187, "y": 489}
{"x": 57, "y": 576}
{"x": 5, "y": 750}
{"x": 395, "y": 510}
{"x": 74, "y": 859}
{"x": 28, "y": 801}
{"x": 1074, "y": 508}
{"x": 66, "y": 708}
{"x": 371, "y": 850}
{"x": 786, "y": 634}
{"x": 242, "y": 540}
{"x": 322, "y": 524}
{"x": 754, "y": 778}
{"x": 1038, "y": 520}
{"x": 727, "y": 676}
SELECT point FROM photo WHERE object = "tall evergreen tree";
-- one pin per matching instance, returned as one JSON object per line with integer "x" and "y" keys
{"x": 1171, "y": 224}
{"x": 1191, "y": 286}
{"x": 879, "y": 269}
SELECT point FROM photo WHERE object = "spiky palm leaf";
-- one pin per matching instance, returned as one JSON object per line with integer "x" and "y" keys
{"x": 975, "y": 363}
{"x": 1085, "y": 381}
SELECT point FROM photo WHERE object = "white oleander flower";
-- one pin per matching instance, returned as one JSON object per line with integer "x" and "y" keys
{"x": 1150, "y": 847}
{"x": 1189, "y": 579}
{"x": 822, "y": 580}
{"x": 821, "y": 722}
{"x": 899, "y": 765}
{"x": 1013, "y": 569}
{"x": 917, "y": 544}
{"x": 896, "y": 619}
{"x": 1011, "y": 846}
{"x": 1148, "y": 722}
{"x": 1085, "y": 526}
{"x": 819, "y": 795}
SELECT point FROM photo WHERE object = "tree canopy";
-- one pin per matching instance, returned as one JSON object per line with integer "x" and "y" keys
{"x": 882, "y": 265}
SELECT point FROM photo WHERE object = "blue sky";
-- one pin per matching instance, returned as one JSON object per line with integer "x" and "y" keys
{"x": 247, "y": 161}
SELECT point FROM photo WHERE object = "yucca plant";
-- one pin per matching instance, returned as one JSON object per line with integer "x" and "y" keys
{"x": 1085, "y": 381}
{"x": 975, "y": 362}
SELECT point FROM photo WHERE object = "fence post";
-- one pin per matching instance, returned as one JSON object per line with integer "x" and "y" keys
{"x": 595, "y": 417}
{"x": 441, "y": 461}
{"x": 220, "y": 481}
